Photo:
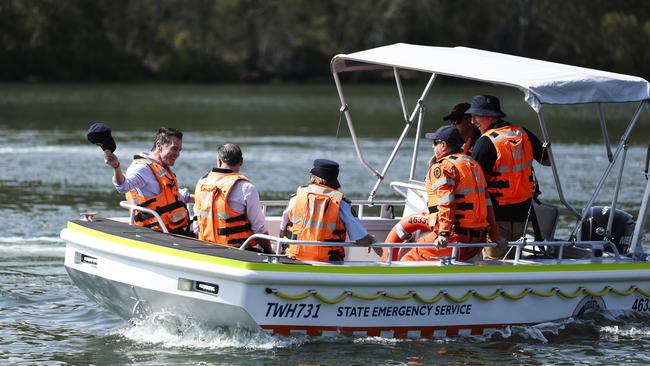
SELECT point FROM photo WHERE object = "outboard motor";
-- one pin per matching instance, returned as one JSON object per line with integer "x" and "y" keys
{"x": 594, "y": 226}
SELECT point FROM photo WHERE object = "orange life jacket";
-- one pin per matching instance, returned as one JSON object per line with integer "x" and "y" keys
{"x": 466, "y": 194}
{"x": 167, "y": 203}
{"x": 315, "y": 217}
{"x": 218, "y": 222}
{"x": 511, "y": 180}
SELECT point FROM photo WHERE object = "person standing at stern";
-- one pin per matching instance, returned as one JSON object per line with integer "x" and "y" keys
{"x": 506, "y": 153}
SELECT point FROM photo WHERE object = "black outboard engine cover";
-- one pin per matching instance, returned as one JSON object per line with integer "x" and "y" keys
{"x": 594, "y": 226}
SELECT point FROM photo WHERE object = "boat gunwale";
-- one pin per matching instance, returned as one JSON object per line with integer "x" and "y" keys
{"x": 357, "y": 269}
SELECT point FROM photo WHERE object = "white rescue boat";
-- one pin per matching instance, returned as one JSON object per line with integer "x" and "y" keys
{"x": 137, "y": 272}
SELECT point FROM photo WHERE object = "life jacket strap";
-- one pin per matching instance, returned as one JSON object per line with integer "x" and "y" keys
{"x": 499, "y": 184}
{"x": 236, "y": 218}
{"x": 463, "y": 206}
{"x": 234, "y": 230}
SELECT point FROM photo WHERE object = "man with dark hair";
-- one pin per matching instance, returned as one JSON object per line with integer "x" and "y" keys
{"x": 227, "y": 203}
{"x": 150, "y": 183}
{"x": 463, "y": 123}
{"x": 459, "y": 207}
{"x": 320, "y": 212}
{"x": 506, "y": 153}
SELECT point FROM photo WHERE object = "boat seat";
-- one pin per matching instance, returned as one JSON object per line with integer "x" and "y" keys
{"x": 547, "y": 217}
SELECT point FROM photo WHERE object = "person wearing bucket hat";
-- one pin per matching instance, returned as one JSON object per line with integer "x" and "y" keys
{"x": 320, "y": 212}
{"x": 506, "y": 153}
{"x": 459, "y": 118}
{"x": 150, "y": 183}
{"x": 459, "y": 207}
{"x": 227, "y": 204}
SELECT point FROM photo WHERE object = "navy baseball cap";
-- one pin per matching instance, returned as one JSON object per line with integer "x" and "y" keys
{"x": 100, "y": 135}
{"x": 326, "y": 169}
{"x": 449, "y": 134}
{"x": 486, "y": 105}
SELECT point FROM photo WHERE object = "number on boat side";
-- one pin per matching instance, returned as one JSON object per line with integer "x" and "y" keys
{"x": 642, "y": 304}
{"x": 276, "y": 310}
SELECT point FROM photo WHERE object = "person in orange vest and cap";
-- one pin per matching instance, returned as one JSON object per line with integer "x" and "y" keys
{"x": 320, "y": 212}
{"x": 460, "y": 210}
{"x": 506, "y": 153}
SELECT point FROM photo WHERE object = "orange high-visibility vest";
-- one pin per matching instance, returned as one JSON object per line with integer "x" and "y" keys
{"x": 315, "y": 217}
{"x": 218, "y": 222}
{"x": 464, "y": 196}
{"x": 511, "y": 180}
{"x": 167, "y": 203}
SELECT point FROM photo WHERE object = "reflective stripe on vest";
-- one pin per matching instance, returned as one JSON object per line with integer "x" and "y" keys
{"x": 167, "y": 203}
{"x": 315, "y": 216}
{"x": 513, "y": 181}
{"x": 218, "y": 222}
{"x": 468, "y": 193}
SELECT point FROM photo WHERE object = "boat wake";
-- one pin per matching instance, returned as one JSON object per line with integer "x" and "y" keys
{"x": 168, "y": 330}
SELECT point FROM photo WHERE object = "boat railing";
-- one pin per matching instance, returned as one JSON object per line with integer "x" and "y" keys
{"x": 396, "y": 186}
{"x": 280, "y": 242}
{"x": 133, "y": 207}
{"x": 593, "y": 246}
{"x": 386, "y": 206}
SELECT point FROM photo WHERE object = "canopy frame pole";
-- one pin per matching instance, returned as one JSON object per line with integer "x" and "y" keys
{"x": 400, "y": 91}
{"x": 348, "y": 118}
{"x": 551, "y": 157}
{"x": 610, "y": 221}
{"x": 409, "y": 122}
{"x": 635, "y": 247}
{"x": 619, "y": 148}
{"x": 416, "y": 145}
{"x": 603, "y": 127}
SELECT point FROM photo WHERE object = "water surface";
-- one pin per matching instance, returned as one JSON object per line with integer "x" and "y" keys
{"x": 50, "y": 174}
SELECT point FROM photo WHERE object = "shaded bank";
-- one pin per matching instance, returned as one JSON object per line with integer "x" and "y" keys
{"x": 293, "y": 40}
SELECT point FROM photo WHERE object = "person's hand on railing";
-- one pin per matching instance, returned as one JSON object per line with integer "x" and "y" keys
{"x": 441, "y": 241}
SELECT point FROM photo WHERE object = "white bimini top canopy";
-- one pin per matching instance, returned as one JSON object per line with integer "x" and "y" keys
{"x": 542, "y": 82}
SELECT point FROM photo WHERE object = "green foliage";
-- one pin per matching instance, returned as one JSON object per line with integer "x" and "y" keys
{"x": 261, "y": 40}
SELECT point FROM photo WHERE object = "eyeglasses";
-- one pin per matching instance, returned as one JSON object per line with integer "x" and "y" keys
{"x": 437, "y": 141}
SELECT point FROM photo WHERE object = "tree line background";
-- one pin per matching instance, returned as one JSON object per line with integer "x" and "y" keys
{"x": 293, "y": 40}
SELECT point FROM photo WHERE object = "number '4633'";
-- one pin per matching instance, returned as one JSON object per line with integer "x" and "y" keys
{"x": 642, "y": 304}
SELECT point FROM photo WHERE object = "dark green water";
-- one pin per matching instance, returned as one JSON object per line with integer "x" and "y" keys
{"x": 50, "y": 174}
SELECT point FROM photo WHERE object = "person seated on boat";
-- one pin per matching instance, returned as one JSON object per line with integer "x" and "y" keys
{"x": 505, "y": 153}
{"x": 150, "y": 183}
{"x": 459, "y": 207}
{"x": 463, "y": 123}
{"x": 320, "y": 212}
{"x": 228, "y": 205}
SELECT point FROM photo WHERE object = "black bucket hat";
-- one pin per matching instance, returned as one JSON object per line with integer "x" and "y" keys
{"x": 486, "y": 105}
{"x": 328, "y": 170}
{"x": 458, "y": 113}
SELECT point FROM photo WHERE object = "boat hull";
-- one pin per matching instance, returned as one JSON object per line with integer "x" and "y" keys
{"x": 135, "y": 277}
